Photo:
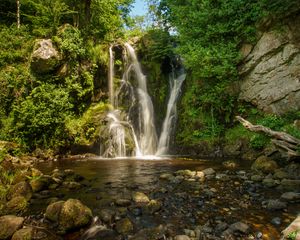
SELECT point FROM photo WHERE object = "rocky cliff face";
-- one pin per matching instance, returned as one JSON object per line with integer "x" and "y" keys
{"x": 271, "y": 69}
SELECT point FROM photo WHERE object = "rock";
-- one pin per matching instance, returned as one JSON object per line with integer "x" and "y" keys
{"x": 276, "y": 221}
{"x": 40, "y": 183}
{"x": 53, "y": 211}
{"x": 208, "y": 171}
{"x": 271, "y": 72}
{"x": 123, "y": 202}
{"x": 186, "y": 173}
{"x": 74, "y": 215}
{"x": 153, "y": 206}
{"x": 222, "y": 177}
{"x": 256, "y": 178}
{"x": 269, "y": 182}
{"x": 233, "y": 149}
{"x": 280, "y": 174}
{"x": 124, "y": 226}
{"x": 264, "y": 164}
{"x": 275, "y": 204}
{"x": 166, "y": 176}
{"x": 230, "y": 164}
{"x": 200, "y": 175}
{"x": 23, "y": 234}
{"x": 72, "y": 185}
{"x": 16, "y": 205}
{"x": 293, "y": 227}
{"x": 150, "y": 234}
{"x": 140, "y": 197}
{"x": 249, "y": 156}
{"x": 239, "y": 227}
{"x": 9, "y": 225}
{"x": 290, "y": 196}
{"x": 69, "y": 215}
{"x": 45, "y": 58}
{"x": 107, "y": 215}
{"x": 289, "y": 184}
{"x": 181, "y": 237}
{"x": 20, "y": 189}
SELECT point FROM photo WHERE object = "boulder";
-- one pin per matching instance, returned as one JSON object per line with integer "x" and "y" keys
{"x": 69, "y": 215}
{"x": 45, "y": 58}
{"x": 124, "y": 226}
{"x": 20, "y": 189}
{"x": 275, "y": 204}
{"x": 16, "y": 205}
{"x": 264, "y": 164}
{"x": 40, "y": 183}
{"x": 290, "y": 196}
{"x": 9, "y": 225}
{"x": 140, "y": 197}
{"x": 23, "y": 234}
{"x": 182, "y": 237}
{"x": 290, "y": 184}
{"x": 153, "y": 206}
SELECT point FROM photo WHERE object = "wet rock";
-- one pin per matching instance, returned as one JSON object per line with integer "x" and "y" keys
{"x": 150, "y": 234}
{"x": 123, "y": 202}
{"x": 136, "y": 211}
{"x": 186, "y": 173}
{"x": 166, "y": 176}
{"x": 69, "y": 215}
{"x": 9, "y": 225}
{"x": 256, "y": 178}
{"x": 153, "y": 206}
{"x": 239, "y": 227}
{"x": 289, "y": 184}
{"x": 275, "y": 204}
{"x": 140, "y": 197}
{"x": 40, "y": 183}
{"x": 230, "y": 164}
{"x": 181, "y": 237}
{"x": 190, "y": 233}
{"x": 20, "y": 189}
{"x": 45, "y": 57}
{"x": 280, "y": 174}
{"x": 23, "y": 234}
{"x": 107, "y": 215}
{"x": 200, "y": 176}
{"x": 16, "y": 205}
{"x": 124, "y": 226}
{"x": 276, "y": 221}
{"x": 222, "y": 226}
{"x": 222, "y": 177}
{"x": 264, "y": 164}
{"x": 269, "y": 182}
{"x": 290, "y": 196}
{"x": 209, "y": 171}
{"x": 74, "y": 215}
{"x": 72, "y": 185}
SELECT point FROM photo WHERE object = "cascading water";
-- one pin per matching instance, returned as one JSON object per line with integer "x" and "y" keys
{"x": 137, "y": 122}
{"x": 171, "y": 115}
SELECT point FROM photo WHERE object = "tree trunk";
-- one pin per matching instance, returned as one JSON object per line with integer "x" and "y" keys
{"x": 87, "y": 11}
{"x": 285, "y": 142}
{"x": 18, "y": 14}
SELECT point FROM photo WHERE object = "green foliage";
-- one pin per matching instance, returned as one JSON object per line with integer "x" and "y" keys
{"x": 40, "y": 119}
{"x": 292, "y": 235}
{"x": 258, "y": 141}
{"x": 237, "y": 132}
{"x": 272, "y": 121}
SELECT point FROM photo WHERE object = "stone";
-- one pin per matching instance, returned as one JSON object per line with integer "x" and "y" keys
{"x": 23, "y": 234}
{"x": 239, "y": 227}
{"x": 276, "y": 221}
{"x": 264, "y": 164}
{"x": 72, "y": 185}
{"x": 270, "y": 72}
{"x": 74, "y": 215}
{"x": 107, "y": 215}
{"x": 124, "y": 226}
{"x": 9, "y": 225}
{"x": 166, "y": 176}
{"x": 256, "y": 178}
{"x": 40, "y": 183}
{"x": 233, "y": 149}
{"x": 230, "y": 164}
{"x": 123, "y": 202}
{"x": 275, "y": 204}
{"x": 45, "y": 58}
{"x": 16, "y": 205}
{"x": 20, "y": 189}
{"x": 153, "y": 206}
{"x": 269, "y": 182}
{"x": 186, "y": 173}
{"x": 181, "y": 237}
{"x": 53, "y": 211}
{"x": 290, "y": 196}
{"x": 140, "y": 197}
{"x": 289, "y": 184}
{"x": 209, "y": 171}
{"x": 280, "y": 174}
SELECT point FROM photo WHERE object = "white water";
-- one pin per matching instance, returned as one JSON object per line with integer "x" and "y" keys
{"x": 138, "y": 112}
{"x": 171, "y": 115}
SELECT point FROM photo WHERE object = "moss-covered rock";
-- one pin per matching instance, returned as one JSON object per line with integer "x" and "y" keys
{"x": 16, "y": 205}
{"x": 9, "y": 225}
{"x": 23, "y": 234}
{"x": 140, "y": 197}
{"x": 20, "y": 189}
{"x": 124, "y": 226}
{"x": 53, "y": 211}
{"x": 264, "y": 164}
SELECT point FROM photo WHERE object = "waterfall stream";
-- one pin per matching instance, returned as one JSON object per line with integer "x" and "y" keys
{"x": 133, "y": 112}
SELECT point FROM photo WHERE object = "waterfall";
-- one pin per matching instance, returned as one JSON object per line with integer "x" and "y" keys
{"x": 171, "y": 115}
{"x": 131, "y": 122}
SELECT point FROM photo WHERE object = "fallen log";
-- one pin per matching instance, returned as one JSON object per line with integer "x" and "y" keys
{"x": 282, "y": 140}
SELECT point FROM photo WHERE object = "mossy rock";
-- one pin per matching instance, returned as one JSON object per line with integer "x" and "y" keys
{"x": 20, "y": 189}
{"x": 264, "y": 164}
{"x": 16, "y": 205}
{"x": 23, "y": 234}
{"x": 124, "y": 226}
{"x": 9, "y": 225}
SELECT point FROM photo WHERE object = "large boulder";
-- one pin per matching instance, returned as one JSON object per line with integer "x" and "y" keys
{"x": 16, "y": 205}
{"x": 9, "y": 224}
{"x": 20, "y": 189}
{"x": 264, "y": 164}
{"x": 69, "y": 215}
{"x": 45, "y": 58}
{"x": 271, "y": 70}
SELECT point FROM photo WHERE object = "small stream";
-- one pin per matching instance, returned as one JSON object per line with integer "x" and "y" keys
{"x": 226, "y": 197}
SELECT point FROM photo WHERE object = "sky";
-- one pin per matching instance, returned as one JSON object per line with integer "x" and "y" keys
{"x": 139, "y": 8}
